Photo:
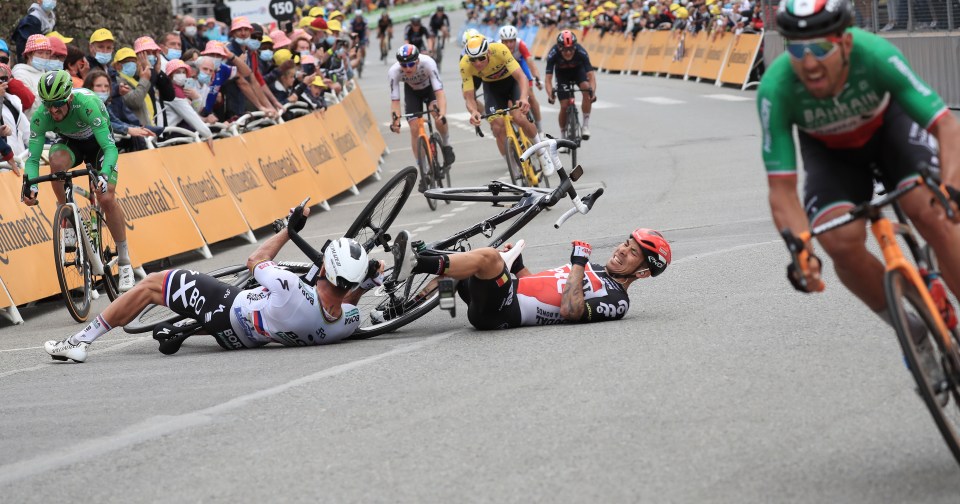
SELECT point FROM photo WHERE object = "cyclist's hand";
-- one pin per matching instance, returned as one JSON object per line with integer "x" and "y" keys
{"x": 298, "y": 217}
{"x": 580, "y": 255}
{"x": 29, "y": 196}
{"x": 954, "y": 202}
{"x": 395, "y": 126}
{"x": 374, "y": 275}
{"x": 551, "y": 98}
{"x": 524, "y": 106}
{"x": 539, "y": 84}
{"x": 101, "y": 184}
{"x": 475, "y": 119}
{"x": 813, "y": 281}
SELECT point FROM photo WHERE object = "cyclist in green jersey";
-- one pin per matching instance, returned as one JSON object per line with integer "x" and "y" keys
{"x": 856, "y": 104}
{"x": 81, "y": 122}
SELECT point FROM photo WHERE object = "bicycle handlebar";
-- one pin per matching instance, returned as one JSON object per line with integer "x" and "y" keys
{"x": 587, "y": 203}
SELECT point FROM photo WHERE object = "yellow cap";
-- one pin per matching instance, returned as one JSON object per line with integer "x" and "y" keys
{"x": 335, "y": 14}
{"x": 283, "y": 55}
{"x": 682, "y": 13}
{"x": 101, "y": 35}
{"x": 318, "y": 81}
{"x": 317, "y": 12}
{"x": 714, "y": 9}
{"x": 266, "y": 40}
{"x": 654, "y": 10}
{"x": 305, "y": 21}
{"x": 64, "y": 38}
{"x": 578, "y": 8}
{"x": 124, "y": 53}
{"x": 334, "y": 25}
{"x": 674, "y": 7}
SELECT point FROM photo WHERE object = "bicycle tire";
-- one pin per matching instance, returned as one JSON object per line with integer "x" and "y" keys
{"x": 441, "y": 172}
{"x": 106, "y": 247}
{"x": 425, "y": 163}
{"x": 152, "y": 315}
{"x": 514, "y": 165}
{"x": 507, "y": 195}
{"x": 72, "y": 266}
{"x": 904, "y": 297}
{"x": 573, "y": 132}
{"x": 386, "y": 297}
{"x": 370, "y": 227}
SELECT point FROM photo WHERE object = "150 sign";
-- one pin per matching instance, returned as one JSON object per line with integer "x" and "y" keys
{"x": 281, "y": 10}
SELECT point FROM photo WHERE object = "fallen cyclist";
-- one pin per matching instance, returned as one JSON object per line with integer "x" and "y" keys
{"x": 283, "y": 309}
{"x": 579, "y": 291}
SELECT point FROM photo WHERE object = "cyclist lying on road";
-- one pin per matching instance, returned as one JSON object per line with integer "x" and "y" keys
{"x": 283, "y": 310}
{"x": 495, "y": 301}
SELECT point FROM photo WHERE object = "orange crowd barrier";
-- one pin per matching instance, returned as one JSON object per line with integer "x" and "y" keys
{"x": 26, "y": 242}
{"x": 709, "y": 65}
{"x": 620, "y": 47}
{"x": 543, "y": 42}
{"x": 640, "y": 46}
{"x": 348, "y": 144}
{"x": 365, "y": 126}
{"x": 653, "y": 61}
{"x": 313, "y": 139}
{"x": 739, "y": 60}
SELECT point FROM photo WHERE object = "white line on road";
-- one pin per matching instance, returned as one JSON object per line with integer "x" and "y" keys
{"x": 728, "y": 97}
{"x": 158, "y": 426}
{"x": 419, "y": 229}
{"x": 659, "y": 100}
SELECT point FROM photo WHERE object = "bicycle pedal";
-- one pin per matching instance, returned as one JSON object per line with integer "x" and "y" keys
{"x": 447, "y": 289}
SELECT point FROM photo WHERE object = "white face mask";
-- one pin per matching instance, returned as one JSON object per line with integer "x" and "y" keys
{"x": 190, "y": 31}
{"x": 179, "y": 79}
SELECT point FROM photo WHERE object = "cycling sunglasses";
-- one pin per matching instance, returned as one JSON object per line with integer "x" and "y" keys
{"x": 5, "y": 60}
{"x": 410, "y": 64}
{"x": 820, "y": 48}
{"x": 478, "y": 58}
{"x": 54, "y": 104}
{"x": 4, "y": 78}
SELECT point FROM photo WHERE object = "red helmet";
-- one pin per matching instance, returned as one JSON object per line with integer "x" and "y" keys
{"x": 566, "y": 39}
{"x": 655, "y": 248}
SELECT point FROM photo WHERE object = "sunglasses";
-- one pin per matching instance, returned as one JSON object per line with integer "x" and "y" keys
{"x": 820, "y": 48}
{"x": 54, "y": 104}
{"x": 478, "y": 58}
{"x": 5, "y": 60}
{"x": 4, "y": 78}
{"x": 409, "y": 65}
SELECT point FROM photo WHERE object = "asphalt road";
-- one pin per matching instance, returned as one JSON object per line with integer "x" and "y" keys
{"x": 721, "y": 385}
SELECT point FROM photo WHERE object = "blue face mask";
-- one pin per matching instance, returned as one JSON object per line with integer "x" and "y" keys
{"x": 304, "y": 53}
{"x": 39, "y": 63}
{"x": 54, "y": 65}
{"x": 331, "y": 40}
{"x": 173, "y": 54}
{"x": 266, "y": 55}
{"x": 203, "y": 78}
{"x": 216, "y": 63}
{"x": 48, "y": 5}
{"x": 241, "y": 41}
{"x": 103, "y": 96}
{"x": 129, "y": 68}
{"x": 253, "y": 44}
{"x": 151, "y": 59}
{"x": 103, "y": 58}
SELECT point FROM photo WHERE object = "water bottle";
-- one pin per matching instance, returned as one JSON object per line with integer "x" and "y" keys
{"x": 939, "y": 294}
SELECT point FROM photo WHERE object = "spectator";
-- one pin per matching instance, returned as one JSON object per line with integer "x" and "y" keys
{"x": 189, "y": 38}
{"x": 212, "y": 30}
{"x": 58, "y": 53}
{"x": 100, "y": 52}
{"x": 222, "y": 12}
{"x": 281, "y": 83}
{"x": 12, "y": 116}
{"x": 280, "y": 40}
{"x": 205, "y": 74}
{"x": 5, "y": 52}
{"x": 180, "y": 111}
{"x": 314, "y": 94}
{"x": 148, "y": 52}
{"x": 266, "y": 56}
{"x": 40, "y": 19}
{"x": 224, "y": 73}
{"x": 36, "y": 54}
{"x": 134, "y": 82}
{"x": 170, "y": 47}
{"x": 251, "y": 97}
{"x": 122, "y": 120}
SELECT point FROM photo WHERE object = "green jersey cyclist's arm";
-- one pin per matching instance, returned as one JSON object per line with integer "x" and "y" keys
{"x": 39, "y": 125}
{"x": 915, "y": 96}
{"x": 776, "y": 128}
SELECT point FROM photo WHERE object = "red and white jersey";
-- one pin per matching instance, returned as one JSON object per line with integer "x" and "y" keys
{"x": 540, "y": 295}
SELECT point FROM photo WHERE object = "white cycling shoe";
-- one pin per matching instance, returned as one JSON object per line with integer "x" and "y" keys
{"x": 63, "y": 350}
{"x": 126, "y": 278}
{"x": 511, "y": 255}
{"x": 585, "y": 132}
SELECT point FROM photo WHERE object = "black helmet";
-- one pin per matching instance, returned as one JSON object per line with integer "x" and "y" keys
{"x": 802, "y": 19}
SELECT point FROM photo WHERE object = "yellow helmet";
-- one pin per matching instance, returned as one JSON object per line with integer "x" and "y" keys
{"x": 477, "y": 46}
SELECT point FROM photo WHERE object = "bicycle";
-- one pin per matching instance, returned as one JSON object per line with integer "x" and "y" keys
{"x": 572, "y": 126}
{"x": 526, "y": 172}
{"x": 438, "y": 49}
{"x": 913, "y": 291}
{"x": 428, "y": 152}
{"x": 396, "y": 304}
{"x": 369, "y": 229}
{"x": 384, "y": 47}
{"x": 94, "y": 256}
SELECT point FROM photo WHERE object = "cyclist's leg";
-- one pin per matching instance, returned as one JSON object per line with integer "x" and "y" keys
{"x": 62, "y": 158}
{"x": 412, "y": 104}
{"x": 116, "y": 221}
{"x": 210, "y": 301}
{"x": 124, "y": 309}
{"x": 492, "y": 101}
{"x": 904, "y": 146}
{"x": 563, "y": 95}
{"x": 586, "y": 103}
{"x": 535, "y": 107}
{"x": 837, "y": 180}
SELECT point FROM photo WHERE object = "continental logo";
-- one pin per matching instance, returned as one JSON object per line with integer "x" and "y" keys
{"x": 27, "y": 231}
{"x": 739, "y": 58}
{"x": 619, "y": 51}
{"x": 200, "y": 191}
{"x": 241, "y": 181}
{"x": 715, "y": 54}
{"x": 344, "y": 143}
{"x": 154, "y": 201}
{"x": 361, "y": 118}
{"x": 655, "y": 51}
{"x": 285, "y": 166}
{"x": 698, "y": 53}
{"x": 317, "y": 155}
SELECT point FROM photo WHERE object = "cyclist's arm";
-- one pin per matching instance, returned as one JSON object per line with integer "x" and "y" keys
{"x": 572, "y": 303}
{"x": 548, "y": 83}
{"x": 101, "y": 131}
{"x": 269, "y": 249}
{"x": 785, "y": 206}
{"x": 947, "y": 131}
{"x": 524, "y": 83}
{"x": 38, "y": 132}
{"x": 441, "y": 101}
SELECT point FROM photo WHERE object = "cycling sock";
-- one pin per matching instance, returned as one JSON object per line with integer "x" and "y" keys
{"x": 94, "y": 330}
{"x": 586, "y": 119}
{"x": 432, "y": 264}
{"x": 538, "y": 125}
{"x": 123, "y": 255}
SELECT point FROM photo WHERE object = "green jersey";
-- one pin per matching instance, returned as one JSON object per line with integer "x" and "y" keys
{"x": 878, "y": 74}
{"x": 88, "y": 118}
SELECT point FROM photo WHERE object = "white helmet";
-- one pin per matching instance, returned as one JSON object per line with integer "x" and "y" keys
{"x": 345, "y": 263}
{"x": 508, "y": 32}
{"x": 467, "y": 35}
{"x": 476, "y": 46}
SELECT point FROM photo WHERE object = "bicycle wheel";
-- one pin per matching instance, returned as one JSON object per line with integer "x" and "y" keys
{"x": 369, "y": 229}
{"x": 392, "y": 306}
{"x": 514, "y": 165}
{"x": 152, "y": 315}
{"x": 502, "y": 195}
{"x": 106, "y": 247}
{"x": 573, "y": 132}
{"x": 441, "y": 173}
{"x": 425, "y": 162}
{"x": 73, "y": 269}
{"x": 905, "y": 302}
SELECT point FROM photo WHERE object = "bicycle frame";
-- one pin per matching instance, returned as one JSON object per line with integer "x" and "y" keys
{"x": 516, "y": 137}
{"x": 425, "y": 130}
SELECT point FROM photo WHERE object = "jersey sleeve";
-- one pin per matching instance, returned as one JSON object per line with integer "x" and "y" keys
{"x": 280, "y": 282}
{"x": 776, "y": 129}
{"x": 466, "y": 74}
{"x": 38, "y": 132}
{"x": 551, "y": 59}
{"x": 434, "y": 74}
{"x": 393, "y": 75}
{"x": 524, "y": 51}
{"x": 917, "y": 98}
{"x": 587, "y": 66}
{"x": 613, "y": 306}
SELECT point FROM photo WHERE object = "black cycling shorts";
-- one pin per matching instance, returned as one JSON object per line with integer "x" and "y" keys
{"x": 414, "y": 99}
{"x": 572, "y": 77}
{"x": 499, "y": 94}
{"x": 844, "y": 177}
{"x": 205, "y": 299}
{"x": 491, "y": 304}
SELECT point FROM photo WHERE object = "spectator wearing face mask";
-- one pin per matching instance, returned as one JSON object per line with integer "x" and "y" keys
{"x": 122, "y": 120}
{"x": 148, "y": 51}
{"x": 134, "y": 82}
{"x": 100, "y": 51}
{"x": 40, "y": 19}
{"x": 205, "y": 74}
{"x": 227, "y": 69}
{"x": 266, "y": 56}
{"x": 180, "y": 111}
{"x": 189, "y": 38}
{"x": 37, "y": 55}
{"x": 251, "y": 97}
{"x": 58, "y": 52}
{"x": 13, "y": 120}
{"x": 170, "y": 48}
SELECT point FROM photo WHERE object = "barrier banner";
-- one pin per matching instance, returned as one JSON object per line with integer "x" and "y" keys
{"x": 158, "y": 224}
{"x": 348, "y": 144}
{"x": 743, "y": 53}
{"x": 640, "y": 46}
{"x": 604, "y": 48}
{"x": 26, "y": 241}
{"x": 591, "y": 42}
{"x": 282, "y": 164}
{"x": 713, "y": 57}
{"x": 653, "y": 61}
{"x": 685, "y": 46}
{"x": 364, "y": 125}
{"x": 542, "y": 43}
{"x": 258, "y": 201}
{"x": 203, "y": 190}
{"x": 310, "y": 134}
{"x": 617, "y": 58}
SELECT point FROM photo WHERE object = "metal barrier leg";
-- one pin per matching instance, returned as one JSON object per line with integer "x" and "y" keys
{"x": 11, "y": 312}
{"x": 354, "y": 191}
{"x": 324, "y": 205}
{"x": 205, "y": 252}
{"x": 250, "y": 236}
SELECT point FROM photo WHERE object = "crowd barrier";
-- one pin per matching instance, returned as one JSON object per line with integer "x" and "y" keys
{"x": 721, "y": 58}
{"x": 182, "y": 198}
